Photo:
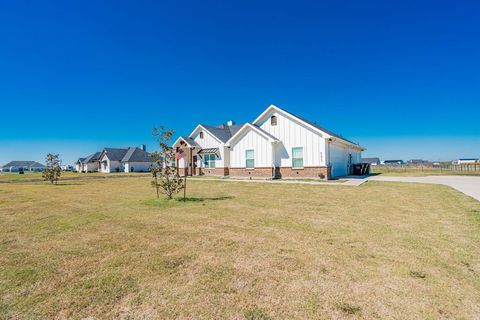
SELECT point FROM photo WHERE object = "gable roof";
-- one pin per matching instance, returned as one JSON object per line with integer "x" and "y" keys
{"x": 137, "y": 155}
{"x": 26, "y": 164}
{"x": 255, "y": 128}
{"x": 189, "y": 141}
{"x": 308, "y": 123}
{"x": 370, "y": 160}
{"x": 91, "y": 158}
{"x": 222, "y": 132}
{"x": 114, "y": 154}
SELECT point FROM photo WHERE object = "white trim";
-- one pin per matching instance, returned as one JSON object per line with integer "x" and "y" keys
{"x": 181, "y": 138}
{"x": 266, "y": 135}
{"x": 202, "y": 127}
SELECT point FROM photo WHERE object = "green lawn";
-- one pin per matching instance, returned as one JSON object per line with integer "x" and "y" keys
{"x": 106, "y": 248}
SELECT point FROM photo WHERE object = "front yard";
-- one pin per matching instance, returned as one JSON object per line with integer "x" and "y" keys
{"x": 106, "y": 248}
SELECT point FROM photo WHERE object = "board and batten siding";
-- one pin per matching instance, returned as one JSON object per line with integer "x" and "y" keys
{"x": 251, "y": 140}
{"x": 339, "y": 158}
{"x": 137, "y": 166}
{"x": 293, "y": 134}
{"x": 209, "y": 141}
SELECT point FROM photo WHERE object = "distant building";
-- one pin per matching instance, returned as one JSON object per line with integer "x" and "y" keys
{"x": 371, "y": 161}
{"x": 417, "y": 162}
{"x": 466, "y": 161}
{"x": 393, "y": 162}
{"x": 108, "y": 160}
{"x": 22, "y": 166}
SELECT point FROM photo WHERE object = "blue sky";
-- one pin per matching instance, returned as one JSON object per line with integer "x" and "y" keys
{"x": 400, "y": 77}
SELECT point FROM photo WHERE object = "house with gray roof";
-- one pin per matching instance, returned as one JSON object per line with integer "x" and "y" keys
{"x": 22, "y": 166}
{"x": 371, "y": 161}
{"x": 131, "y": 159}
{"x": 88, "y": 164}
{"x": 277, "y": 144}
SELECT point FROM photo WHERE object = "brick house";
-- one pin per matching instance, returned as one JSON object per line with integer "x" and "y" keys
{"x": 277, "y": 144}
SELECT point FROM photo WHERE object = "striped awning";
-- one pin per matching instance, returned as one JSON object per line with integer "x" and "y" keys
{"x": 208, "y": 151}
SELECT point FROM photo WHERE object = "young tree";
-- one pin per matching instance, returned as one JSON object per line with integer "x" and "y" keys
{"x": 53, "y": 170}
{"x": 164, "y": 173}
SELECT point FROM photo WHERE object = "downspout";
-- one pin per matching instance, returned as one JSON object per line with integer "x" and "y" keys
{"x": 273, "y": 160}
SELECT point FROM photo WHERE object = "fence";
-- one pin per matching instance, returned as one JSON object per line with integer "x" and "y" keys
{"x": 473, "y": 168}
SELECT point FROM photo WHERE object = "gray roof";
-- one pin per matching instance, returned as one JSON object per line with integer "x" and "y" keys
{"x": 137, "y": 155}
{"x": 91, "y": 158}
{"x": 115, "y": 154}
{"x": 25, "y": 164}
{"x": 370, "y": 160}
{"x": 223, "y": 132}
{"x": 190, "y": 141}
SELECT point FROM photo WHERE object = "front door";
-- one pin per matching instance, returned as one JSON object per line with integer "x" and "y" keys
{"x": 194, "y": 165}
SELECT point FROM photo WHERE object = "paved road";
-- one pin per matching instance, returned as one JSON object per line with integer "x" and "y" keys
{"x": 466, "y": 184}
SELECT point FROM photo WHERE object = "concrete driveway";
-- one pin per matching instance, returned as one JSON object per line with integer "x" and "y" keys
{"x": 466, "y": 184}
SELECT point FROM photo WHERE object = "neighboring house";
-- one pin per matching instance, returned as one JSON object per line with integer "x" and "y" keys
{"x": 371, "y": 161}
{"x": 66, "y": 167}
{"x": 20, "y": 166}
{"x": 417, "y": 162}
{"x": 88, "y": 164}
{"x": 276, "y": 144}
{"x": 466, "y": 161}
{"x": 125, "y": 160}
{"x": 393, "y": 162}
{"x": 108, "y": 160}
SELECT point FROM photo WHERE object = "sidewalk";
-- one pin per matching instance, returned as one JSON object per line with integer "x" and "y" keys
{"x": 351, "y": 182}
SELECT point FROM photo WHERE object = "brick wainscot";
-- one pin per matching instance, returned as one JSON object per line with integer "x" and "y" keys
{"x": 213, "y": 171}
{"x": 259, "y": 172}
{"x": 306, "y": 172}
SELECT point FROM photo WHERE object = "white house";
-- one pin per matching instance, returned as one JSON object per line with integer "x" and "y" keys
{"x": 21, "y": 166}
{"x": 88, "y": 164}
{"x": 130, "y": 159}
{"x": 466, "y": 161}
{"x": 276, "y": 144}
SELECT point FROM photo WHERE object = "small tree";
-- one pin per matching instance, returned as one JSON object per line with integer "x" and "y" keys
{"x": 53, "y": 170}
{"x": 164, "y": 173}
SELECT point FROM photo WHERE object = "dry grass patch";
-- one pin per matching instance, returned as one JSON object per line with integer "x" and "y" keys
{"x": 106, "y": 248}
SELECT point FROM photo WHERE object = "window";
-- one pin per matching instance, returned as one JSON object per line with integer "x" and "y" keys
{"x": 249, "y": 159}
{"x": 201, "y": 134}
{"x": 297, "y": 157}
{"x": 273, "y": 120}
{"x": 209, "y": 160}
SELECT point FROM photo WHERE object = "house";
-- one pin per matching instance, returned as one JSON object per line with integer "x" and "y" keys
{"x": 108, "y": 160}
{"x": 417, "y": 162}
{"x": 277, "y": 144}
{"x": 21, "y": 166}
{"x": 88, "y": 164}
{"x": 66, "y": 167}
{"x": 393, "y": 162}
{"x": 466, "y": 161}
{"x": 371, "y": 161}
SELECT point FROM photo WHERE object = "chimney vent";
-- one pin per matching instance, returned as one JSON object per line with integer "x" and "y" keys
{"x": 143, "y": 147}
{"x": 230, "y": 123}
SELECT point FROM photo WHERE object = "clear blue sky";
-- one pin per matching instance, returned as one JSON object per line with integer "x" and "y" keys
{"x": 400, "y": 77}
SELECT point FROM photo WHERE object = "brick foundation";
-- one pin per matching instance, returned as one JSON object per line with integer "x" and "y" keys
{"x": 265, "y": 172}
{"x": 306, "y": 172}
{"x": 213, "y": 171}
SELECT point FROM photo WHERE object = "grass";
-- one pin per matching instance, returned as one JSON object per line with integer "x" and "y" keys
{"x": 106, "y": 248}
{"x": 421, "y": 172}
